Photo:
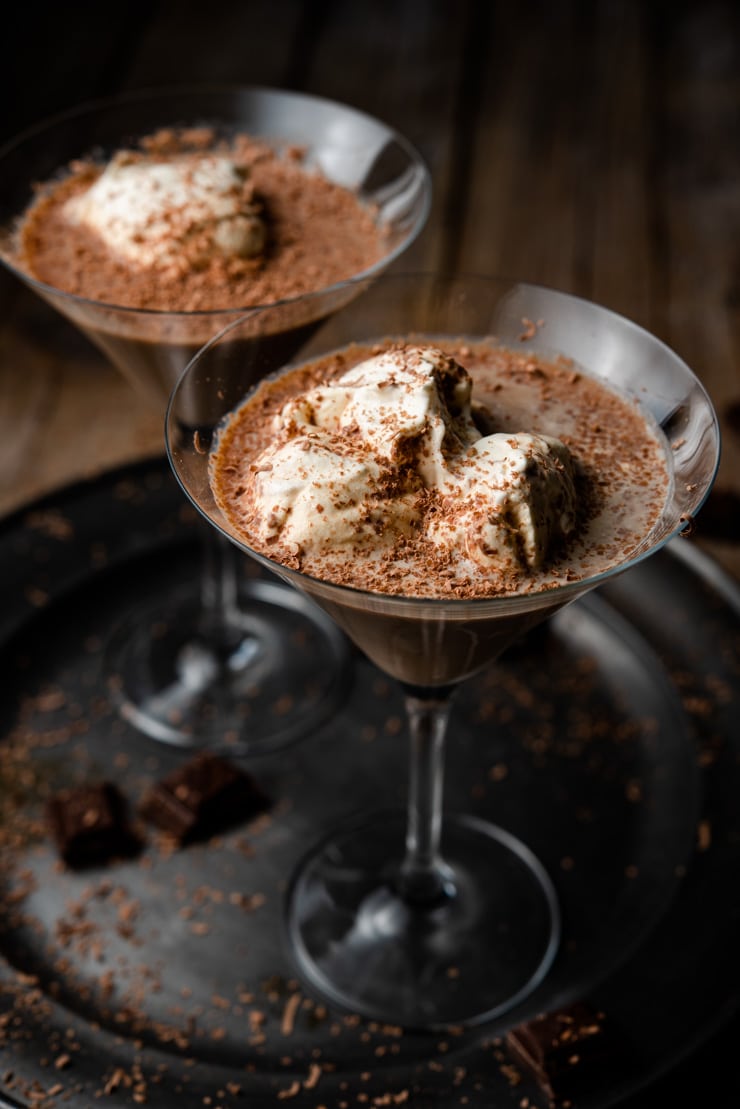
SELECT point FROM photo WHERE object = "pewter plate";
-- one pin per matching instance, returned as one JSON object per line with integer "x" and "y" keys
{"x": 608, "y": 740}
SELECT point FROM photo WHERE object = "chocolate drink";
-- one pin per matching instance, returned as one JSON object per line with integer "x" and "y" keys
{"x": 152, "y": 351}
{"x": 426, "y": 647}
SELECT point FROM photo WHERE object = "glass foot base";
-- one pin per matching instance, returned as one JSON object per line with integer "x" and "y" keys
{"x": 282, "y": 671}
{"x": 485, "y": 944}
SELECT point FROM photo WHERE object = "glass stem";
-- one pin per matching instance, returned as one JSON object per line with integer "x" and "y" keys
{"x": 423, "y": 877}
{"x": 219, "y": 588}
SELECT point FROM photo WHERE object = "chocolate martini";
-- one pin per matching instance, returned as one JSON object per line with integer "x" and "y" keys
{"x": 185, "y": 223}
{"x": 438, "y": 491}
{"x": 152, "y": 222}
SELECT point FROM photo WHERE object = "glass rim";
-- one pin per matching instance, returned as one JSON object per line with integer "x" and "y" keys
{"x": 504, "y": 602}
{"x": 98, "y": 106}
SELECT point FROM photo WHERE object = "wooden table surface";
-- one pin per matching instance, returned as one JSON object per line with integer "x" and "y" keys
{"x": 594, "y": 147}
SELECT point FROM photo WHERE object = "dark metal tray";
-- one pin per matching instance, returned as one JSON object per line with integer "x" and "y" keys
{"x": 608, "y": 740}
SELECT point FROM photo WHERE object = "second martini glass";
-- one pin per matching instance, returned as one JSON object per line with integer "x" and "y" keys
{"x": 235, "y": 665}
{"x": 410, "y": 918}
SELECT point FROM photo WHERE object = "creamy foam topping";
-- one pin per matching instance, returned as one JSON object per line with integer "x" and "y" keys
{"x": 184, "y": 209}
{"x": 416, "y": 399}
{"x": 390, "y": 450}
{"x": 508, "y": 499}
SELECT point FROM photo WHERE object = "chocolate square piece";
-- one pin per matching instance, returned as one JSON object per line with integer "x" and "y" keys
{"x": 89, "y": 824}
{"x": 561, "y": 1050}
{"x": 204, "y": 796}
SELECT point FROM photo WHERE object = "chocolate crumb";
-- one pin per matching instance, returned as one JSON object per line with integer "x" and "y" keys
{"x": 289, "y": 1014}
{"x": 206, "y": 795}
{"x": 289, "y": 1091}
{"x": 314, "y": 1074}
{"x": 704, "y": 835}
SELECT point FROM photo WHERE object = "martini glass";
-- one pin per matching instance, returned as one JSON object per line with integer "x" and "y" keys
{"x": 230, "y": 664}
{"x": 409, "y": 917}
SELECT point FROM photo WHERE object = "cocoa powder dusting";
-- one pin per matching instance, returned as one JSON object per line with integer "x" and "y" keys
{"x": 318, "y": 233}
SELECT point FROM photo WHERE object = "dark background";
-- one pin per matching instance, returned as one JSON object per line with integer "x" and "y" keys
{"x": 594, "y": 146}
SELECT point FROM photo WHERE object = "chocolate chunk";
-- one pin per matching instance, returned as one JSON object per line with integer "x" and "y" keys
{"x": 560, "y": 1050}
{"x": 89, "y": 825}
{"x": 204, "y": 796}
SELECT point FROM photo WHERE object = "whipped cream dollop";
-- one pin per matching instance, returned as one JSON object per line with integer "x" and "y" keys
{"x": 508, "y": 498}
{"x": 183, "y": 210}
{"x": 391, "y": 450}
{"x": 309, "y": 493}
